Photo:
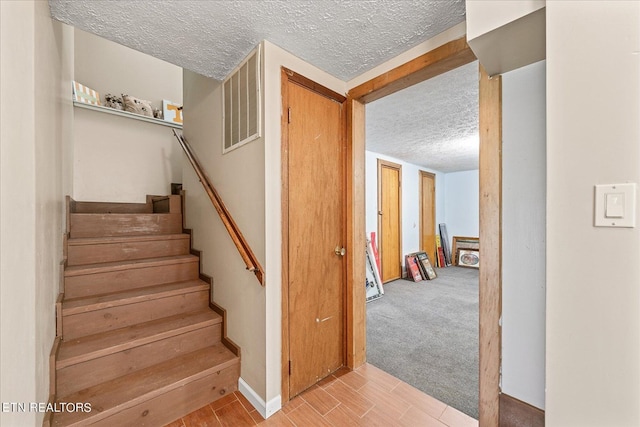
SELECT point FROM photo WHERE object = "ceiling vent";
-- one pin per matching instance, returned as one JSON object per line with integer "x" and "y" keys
{"x": 241, "y": 96}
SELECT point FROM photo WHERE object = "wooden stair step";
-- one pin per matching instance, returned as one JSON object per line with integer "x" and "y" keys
{"x": 104, "y": 278}
{"x": 84, "y": 304}
{"x": 92, "y": 250}
{"x": 124, "y": 239}
{"x": 107, "y": 267}
{"x": 98, "y": 345}
{"x": 95, "y": 371}
{"x": 119, "y": 224}
{"x": 120, "y": 396}
{"x": 91, "y": 315}
{"x": 111, "y": 207}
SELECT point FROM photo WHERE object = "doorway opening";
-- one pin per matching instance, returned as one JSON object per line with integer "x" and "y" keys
{"x": 440, "y": 60}
{"x": 425, "y": 332}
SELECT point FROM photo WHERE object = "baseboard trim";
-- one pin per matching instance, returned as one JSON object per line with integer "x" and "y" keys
{"x": 516, "y": 413}
{"x": 266, "y": 409}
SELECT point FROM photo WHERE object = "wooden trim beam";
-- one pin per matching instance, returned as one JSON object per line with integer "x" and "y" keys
{"x": 433, "y": 63}
{"x": 294, "y": 77}
{"x": 490, "y": 246}
{"x": 356, "y": 241}
{"x": 284, "y": 164}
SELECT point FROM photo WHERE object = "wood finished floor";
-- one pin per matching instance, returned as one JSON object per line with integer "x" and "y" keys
{"x": 367, "y": 396}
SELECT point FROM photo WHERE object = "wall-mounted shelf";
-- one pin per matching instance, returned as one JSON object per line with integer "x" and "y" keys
{"x": 126, "y": 114}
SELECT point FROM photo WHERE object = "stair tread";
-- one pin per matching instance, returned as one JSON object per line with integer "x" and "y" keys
{"x": 85, "y": 304}
{"x": 124, "y": 392}
{"x": 101, "y": 344}
{"x": 77, "y": 270}
{"x": 79, "y": 241}
{"x": 114, "y": 214}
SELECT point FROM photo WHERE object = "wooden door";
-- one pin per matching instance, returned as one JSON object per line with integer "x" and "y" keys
{"x": 315, "y": 162}
{"x": 390, "y": 220}
{"x": 428, "y": 214}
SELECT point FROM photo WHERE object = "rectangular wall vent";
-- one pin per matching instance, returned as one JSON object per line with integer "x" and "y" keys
{"x": 241, "y": 96}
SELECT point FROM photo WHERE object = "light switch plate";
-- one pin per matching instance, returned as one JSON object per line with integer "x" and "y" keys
{"x": 615, "y": 205}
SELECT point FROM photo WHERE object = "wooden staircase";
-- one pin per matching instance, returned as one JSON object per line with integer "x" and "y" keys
{"x": 138, "y": 338}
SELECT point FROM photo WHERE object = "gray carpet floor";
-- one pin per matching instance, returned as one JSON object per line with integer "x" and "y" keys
{"x": 426, "y": 334}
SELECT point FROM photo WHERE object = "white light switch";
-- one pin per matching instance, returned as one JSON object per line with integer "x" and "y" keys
{"x": 615, "y": 205}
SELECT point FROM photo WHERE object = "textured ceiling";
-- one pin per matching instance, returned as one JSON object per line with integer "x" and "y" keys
{"x": 344, "y": 38}
{"x": 432, "y": 124}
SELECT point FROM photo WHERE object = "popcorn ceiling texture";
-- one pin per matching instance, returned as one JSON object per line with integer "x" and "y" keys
{"x": 343, "y": 38}
{"x": 432, "y": 124}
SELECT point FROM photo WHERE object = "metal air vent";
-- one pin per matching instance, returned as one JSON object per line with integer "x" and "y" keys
{"x": 241, "y": 96}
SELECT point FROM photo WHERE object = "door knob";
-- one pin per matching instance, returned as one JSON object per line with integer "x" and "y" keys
{"x": 340, "y": 251}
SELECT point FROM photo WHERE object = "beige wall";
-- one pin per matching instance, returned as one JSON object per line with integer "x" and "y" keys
{"x": 36, "y": 116}
{"x": 109, "y": 67}
{"x": 593, "y": 278}
{"x": 489, "y": 15}
{"x": 238, "y": 176}
{"x": 248, "y": 179}
{"x": 117, "y": 158}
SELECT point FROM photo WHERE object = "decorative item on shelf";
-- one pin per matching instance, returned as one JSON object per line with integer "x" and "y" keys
{"x": 84, "y": 94}
{"x": 113, "y": 101}
{"x": 137, "y": 106}
{"x": 171, "y": 111}
{"x": 157, "y": 113}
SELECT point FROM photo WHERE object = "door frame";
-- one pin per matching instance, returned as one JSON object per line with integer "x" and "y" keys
{"x": 390, "y": 165}
{"x": 435, "y": 62}
{"x": 290, "y": 77}
{"x": 421, "y": 175}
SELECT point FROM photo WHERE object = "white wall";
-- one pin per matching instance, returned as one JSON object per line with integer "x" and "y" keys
{"x": 523, "y": 233}
{"x": 410, "y": 199}
{"x": 117, "y": 158}
{"x": 593, "y": 274}
{"x": 461, "y": 201}
{"x": 36, "y": 115}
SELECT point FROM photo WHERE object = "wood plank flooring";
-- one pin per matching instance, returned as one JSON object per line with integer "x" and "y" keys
{"x": 367, "y": 396}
